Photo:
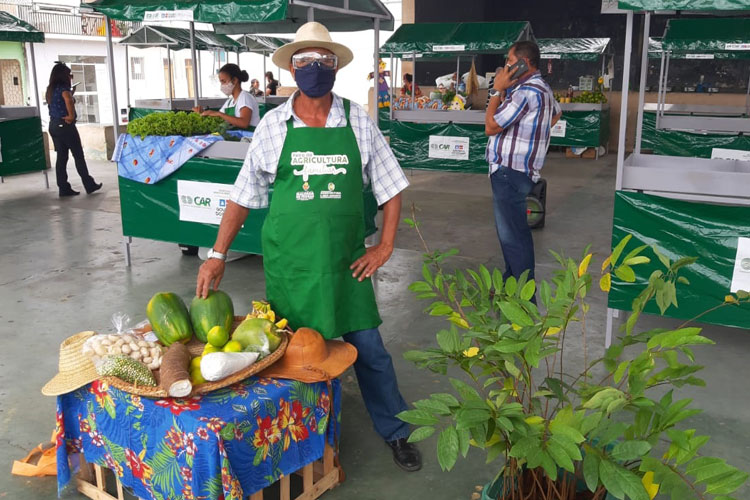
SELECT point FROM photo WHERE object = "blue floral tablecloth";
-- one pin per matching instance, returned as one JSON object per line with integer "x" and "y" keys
{"x": 225, "y": 445}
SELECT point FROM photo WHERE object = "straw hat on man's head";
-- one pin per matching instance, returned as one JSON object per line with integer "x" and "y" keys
{"x": 75, "y": 369}
{"x": 311, "y": 35}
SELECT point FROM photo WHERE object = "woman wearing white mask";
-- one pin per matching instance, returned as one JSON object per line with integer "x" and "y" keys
{"x": 241, "y": 109}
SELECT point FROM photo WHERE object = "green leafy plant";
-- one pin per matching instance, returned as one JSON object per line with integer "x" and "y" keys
{"x": 176, "y": 123}
{"x": 564, "y": 432}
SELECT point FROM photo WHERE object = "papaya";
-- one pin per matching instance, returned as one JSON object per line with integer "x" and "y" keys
{"x": 215, "y": 310}
{"x": 169, "y": 318}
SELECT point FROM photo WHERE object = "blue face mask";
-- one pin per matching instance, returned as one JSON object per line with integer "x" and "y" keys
{"x": 314, "y": 80}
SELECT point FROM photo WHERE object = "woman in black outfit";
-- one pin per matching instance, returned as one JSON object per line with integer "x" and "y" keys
{"x": 62, "y": 129}
{"x": 271, "y": 84}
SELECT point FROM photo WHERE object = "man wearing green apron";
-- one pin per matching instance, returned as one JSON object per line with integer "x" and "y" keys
{"x": 319, "y": 151}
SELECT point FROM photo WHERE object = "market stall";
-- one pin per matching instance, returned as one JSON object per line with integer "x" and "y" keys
{"x": 585, "y": 120}
{"x": 666, "y": 201}
{"x": 434, "y": 132}
{"x": 174, "y": 39}
{"x": 191, "y": 225}
{"x": 265, "y": 46}
{"x": 22, "y": 147}
{"x": 688, "y": 129}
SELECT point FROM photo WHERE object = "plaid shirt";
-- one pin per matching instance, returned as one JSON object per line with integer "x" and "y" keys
{"x": 526, "y": 119}
{"x": 379, "y": 165}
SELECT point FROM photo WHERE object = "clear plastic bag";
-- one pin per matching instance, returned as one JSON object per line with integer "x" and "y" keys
{"x": 128, "y": 340}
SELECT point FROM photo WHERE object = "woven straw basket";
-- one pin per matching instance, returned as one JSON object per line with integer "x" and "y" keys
{"x": 195, "y": 347}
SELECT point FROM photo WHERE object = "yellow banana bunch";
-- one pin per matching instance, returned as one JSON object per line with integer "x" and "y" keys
{"x": 262, "y": 309}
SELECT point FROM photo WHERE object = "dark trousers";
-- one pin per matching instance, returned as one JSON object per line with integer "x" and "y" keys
{"x": 509, "y": 191}
{"x": 378, "y": 384}
{"x": 66, "y": 140}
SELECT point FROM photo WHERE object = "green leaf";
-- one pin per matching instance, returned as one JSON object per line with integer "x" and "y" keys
{"x": 515, "y": 314}
{"x": 559, "y": 455}
{"x": 447, "y": 448}
{"x": 421, "y": 433}
{"x": 620, "y": 481}
{"x": 625, "y": 273}
{"x": 464, "y": 441}
{"x": 467, "y": 418}
{"x": 545, "y": 293}
{"x": 591, "y": 470}
{"x": 433, "y": 406}
{"x": 441, "y": 310}
{"x": 512, "y": 368}
{"x": 497, "y": 280}
{"x": 417, "y": 417}
{"x": 630, "y": 450}
{"x": 634, "y": 252}
{"x": 510, "y": 285}
{"x": 527, "y": 292}
{"x": 556, "y": 428}
{"x": 620, "y": 371}
{"x": 720, "y": 477}
{"x": 486, "y": 278}
{"x": 444, "y": 397}
{"x": 420, "y": 286}
{"x": 632, "y": 261}
{"x": 426, "y": 273}
{"x": 618, "y": 249}
{"x": 465, "y": 390}
{"x": 448, "y": 340}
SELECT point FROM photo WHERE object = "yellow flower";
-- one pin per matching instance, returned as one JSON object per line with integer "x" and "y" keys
{"x": 601, "y": 80}
{"x": 650, "y": 486}
{"x": 471, "y": 352}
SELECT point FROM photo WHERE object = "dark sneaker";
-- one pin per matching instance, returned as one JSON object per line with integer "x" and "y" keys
{"x": 68, "y": 192}
{"x": 94, "y": 188}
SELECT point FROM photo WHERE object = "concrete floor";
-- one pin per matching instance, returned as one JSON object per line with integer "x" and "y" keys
{"x": 62, "y": 271}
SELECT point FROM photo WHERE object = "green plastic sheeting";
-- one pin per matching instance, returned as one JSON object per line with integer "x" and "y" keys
{"x": 261, "y": 44}
{"x": 135, "y": 112}
{"x": 655, "y": 50}
{"x": 688, "y": 5}
{"x": 207, "y": 11}
{"x": 13, "y": 29}
{"x": 330, "y": 13}
{"x": 384, "y": 120}
{"x": 579, "y": 49}
{"x": 683, "y": 229}
{"x": 178, "y": 39}
{"x": 441, "y": 39}
{"x": 679, "y": 143}
{"x": 152, "y": 211}
{"x": 21, "y": 146}
{"x": 584, "y": 129}
{"x": 411, "y": 144}
{"x": 721, "y": 34}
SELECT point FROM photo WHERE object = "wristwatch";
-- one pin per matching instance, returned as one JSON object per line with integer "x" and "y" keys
{"x": 493, "y": 92}
{"x": 213, "y": 254}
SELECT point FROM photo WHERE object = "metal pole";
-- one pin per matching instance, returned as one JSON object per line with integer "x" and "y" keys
{"x": 194, "y": 65}
{"x": 658, "y": 88}
{"x": 200, "y": 73}
{"x": 310, "y": 14}
{"x": 413, "y": 78}
{"x": 127, "y": 77}
{"x": 35, "y": 85}
{"x": 642, "y": 87}
{"x": 624, "y": 100}
{"x": 112, "y": 84}
{"x": 458, "y": 72}
{"x": 265, "y": 86}
{"x": 169, "y": 76}
{"x": 664, "y": 93}
{"x": 376, "y": 73}
{"x": 393, "y": 76}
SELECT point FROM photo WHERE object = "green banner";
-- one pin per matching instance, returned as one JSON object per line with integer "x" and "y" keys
{"x": 152, "y": 211}
{"x": 411, "y": 144}
{"x": 21, "y": 146}
{"x": 683, "y": 229}
{"x": 691, "y": 144}
{"x": 584, "y": 129}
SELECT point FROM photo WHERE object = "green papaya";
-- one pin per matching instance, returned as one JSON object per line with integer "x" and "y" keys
{"x": 215, "y": 310}
{"x": 169, "y": 318}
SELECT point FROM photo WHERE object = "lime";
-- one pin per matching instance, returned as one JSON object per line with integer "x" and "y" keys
{"x": 195, "y": 362}
{"x": 209, "y": 349}
{"x": 233, "y": 346}
{"x": 218, "y": 336}
{"x": 196, "y": 377}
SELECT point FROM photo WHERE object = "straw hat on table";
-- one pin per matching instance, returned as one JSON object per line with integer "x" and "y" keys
{"x": 75, "y": 369}
{"x": 311, "y": 35}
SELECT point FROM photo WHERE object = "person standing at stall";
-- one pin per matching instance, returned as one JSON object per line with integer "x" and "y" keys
{"x": 319, "y": 151}
{"x": 520, "y": 114}
{"x": 63, "y": 131}
{"x": 241, "y": 109}
{"x": 255, "y": 88}
{"x": 271, "y": 83}
{"x": 409, "y": 86}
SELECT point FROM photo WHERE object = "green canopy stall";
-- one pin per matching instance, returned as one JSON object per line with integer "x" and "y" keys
{"x": 21, "y": 138}
{"x": 444, "y": 139}
{"x": 691, "y": 130}
{"x": 156, "y": 211}
{"x": 684, "y": 206}
{"x": 583, "y": 124}
{"x": 265, "y": 46}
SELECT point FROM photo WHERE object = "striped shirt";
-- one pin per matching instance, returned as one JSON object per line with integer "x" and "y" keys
{"x": 379, "y": 165}
{"x": 525, "y": 117}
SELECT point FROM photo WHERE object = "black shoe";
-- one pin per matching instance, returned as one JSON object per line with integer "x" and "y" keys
{"x": 406, "y": 455}
{"x": 68, "y": 192}
{"x": 94, "y": 188}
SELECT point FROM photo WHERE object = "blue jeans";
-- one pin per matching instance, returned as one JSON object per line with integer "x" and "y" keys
{"x": 509, "y": 191}
{"x": 378, "y": 384}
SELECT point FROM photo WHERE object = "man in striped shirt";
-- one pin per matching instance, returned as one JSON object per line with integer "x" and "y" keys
{"x": 521, "y": 111}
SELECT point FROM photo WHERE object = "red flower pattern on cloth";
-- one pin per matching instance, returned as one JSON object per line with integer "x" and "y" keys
{"x": 213, "y": 424}
{"x": 177, "y": 406}
{"x": 291, "y": 419}
{"x": 268, "y": 433}
{"x": 140, "y": 469}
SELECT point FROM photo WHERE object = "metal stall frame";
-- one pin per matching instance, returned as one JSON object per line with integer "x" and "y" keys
{"x": 689, "y": 179}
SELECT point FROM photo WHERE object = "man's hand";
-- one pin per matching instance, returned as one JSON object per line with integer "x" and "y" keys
{"x": 212, "y": 270}
{"x": 503, "y": 79}
{"x": 374, "y": 257}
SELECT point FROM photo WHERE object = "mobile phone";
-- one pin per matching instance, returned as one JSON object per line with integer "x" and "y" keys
{"x": 76, "y": 84}
{"x": 518, "y": 69}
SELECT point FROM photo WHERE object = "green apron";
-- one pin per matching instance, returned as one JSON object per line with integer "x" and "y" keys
{"x": 315, "y": 230}
{"x": 230, "y": 111}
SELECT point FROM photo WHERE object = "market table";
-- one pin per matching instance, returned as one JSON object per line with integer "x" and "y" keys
{"x": 226, "y": 444}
